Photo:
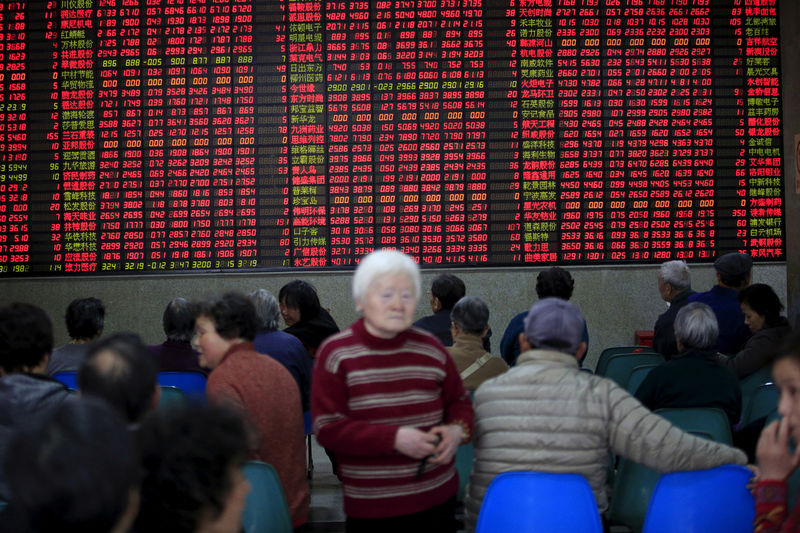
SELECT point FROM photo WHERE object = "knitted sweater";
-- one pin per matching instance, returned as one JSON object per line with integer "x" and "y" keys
{"x": 364, "y": 389}
{"x": 772, "y": 515}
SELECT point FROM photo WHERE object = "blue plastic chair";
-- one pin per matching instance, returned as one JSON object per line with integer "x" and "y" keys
{"x": 703, "y": 501}
{"x": 193, "y": 384}
{"x": 608, "y": 352}
{"x": 171, "y": 397}
{"x": 307, "y": 426}
{"x": 620, "y": 366}
{"x": 637, "y": 376}
{"x": 69, "y": 379}
{"x": 266, "y": 510}
{"x": 539, "y": 501}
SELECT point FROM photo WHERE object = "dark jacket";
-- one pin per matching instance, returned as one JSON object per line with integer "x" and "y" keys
{"x": 724, "y": 301}
{"x": 313, "y": 331}
{"x": 693, "y": 379}
{"x": 663, "y": 331}
{"x": 759, "y": 351}
{"x": 174, "y": 356}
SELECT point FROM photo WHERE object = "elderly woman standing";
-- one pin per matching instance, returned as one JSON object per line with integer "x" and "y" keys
{"x": 387, "y": 399}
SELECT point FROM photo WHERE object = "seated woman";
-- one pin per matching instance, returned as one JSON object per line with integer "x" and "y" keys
{"x": 304, "y": 316}
{"x": 388, "y": 401}
{"x": 259, "y": 387}
{"x": 469, "y": 324}
{"x": 762, "y": 314}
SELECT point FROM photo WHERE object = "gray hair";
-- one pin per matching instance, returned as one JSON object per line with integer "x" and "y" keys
{"x": 380, "y": 263}
{"x": 676, "y": 273}
{"x": 471, "y": 315}
{"x": 696, "y": 326}
{"x": 267, "y": 309}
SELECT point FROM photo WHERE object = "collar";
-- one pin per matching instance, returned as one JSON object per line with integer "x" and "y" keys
{"x": 725, "y": 292}
{"x": 468, "y": 342}
{"x": 548, "y": 356}
{"x": 246, "y": 346}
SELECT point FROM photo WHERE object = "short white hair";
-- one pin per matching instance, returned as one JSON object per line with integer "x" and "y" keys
{"x": 380, "y": 263}
{"x": 676, "y": 273}
{"x": 696, "y": 326}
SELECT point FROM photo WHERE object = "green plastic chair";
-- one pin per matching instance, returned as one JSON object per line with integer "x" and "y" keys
{"x": 266, "y": 510}
{"x": 709, "y": 422}
{"x": 751, "y": 383}
{"x": 620, "y": 366}
{"x": 608, "y": 352}
{"x": 637, "y": 376}
{"x": 464, "y": 456}
{"x": 171, "y": 397}
{"x": 762, "y": 403}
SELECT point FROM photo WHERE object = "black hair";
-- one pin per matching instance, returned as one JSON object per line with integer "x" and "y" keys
{"x": 188, "y": 454}
{"x": 178, "y": 320}
{"x": 121, "y": 371}
{"x": 233, "y": 314}
{"x": 762, "y": 299}
{"x": 73, "y": 469}
{"x": 26, "y": 336}
{"x": 555, "y": 282}
{"x": 85, "y": 318}
{"x": 300, "y": 295}
{"x": 448, "y": 289}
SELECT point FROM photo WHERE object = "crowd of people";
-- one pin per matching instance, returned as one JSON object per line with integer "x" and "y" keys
{"x": 390, "y": 399}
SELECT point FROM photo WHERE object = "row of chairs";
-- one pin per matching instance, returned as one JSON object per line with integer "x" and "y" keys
{"x": 191, "y": 384}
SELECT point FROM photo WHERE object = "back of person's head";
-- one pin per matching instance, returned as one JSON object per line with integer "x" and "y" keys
{"x": 178, "y": 320}
{"x": 555, "y": 324}
{"x": 300, "y": 295}
{"x": 762, "y": 299}
{"x": 121, "y": 371}
{"x": 448, "y": 289}
{"x": 696, "y": 327}
{"x": 26, "y": 337}
{"x": 555, "y": 282}
{"x": 233, "y": 315}
{"x": 734, "y": 269}
{"x": 74, "y": 470}
{"x": 471, "y": 315}
{"x": 676, "y": 274}
{"x": 85, "y": 317}
{"x": 267, "y": 309}
{"x": 190, "y": 456}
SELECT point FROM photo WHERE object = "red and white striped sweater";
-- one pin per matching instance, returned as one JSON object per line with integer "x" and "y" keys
{"x": 363, "y": 390}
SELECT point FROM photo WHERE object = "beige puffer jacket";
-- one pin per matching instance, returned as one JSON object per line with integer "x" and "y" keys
{"x": 547, "y": 415}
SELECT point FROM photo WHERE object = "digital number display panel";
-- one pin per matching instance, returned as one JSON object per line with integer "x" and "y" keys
{"x": 180, "y": 135}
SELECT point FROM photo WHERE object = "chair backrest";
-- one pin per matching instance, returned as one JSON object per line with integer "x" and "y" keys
{"x": 193, "y": 384}
{"x": 464, "y": 456}
{"x": 620, "y": 366}
{"x": 709, "y": 422}
{"x": 637, "y": 376}
{"x": 266, "y": 510}
{"x": 751, "y": 383}
{"x": 70, "y": 379}
{"x": 762, "y": 403}
{"x": 539, "y": 501}
{"x": 608, "y": 352}
{"x": 171, "y": 397}
{"x": 702, "y": 501}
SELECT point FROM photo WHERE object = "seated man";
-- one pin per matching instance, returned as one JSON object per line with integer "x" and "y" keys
{"x": 695, "y": 377}
{"x": 446, "y": 290}
{"x": 305, "y": 317}
{"x": 26, "y": 393}
{"x": 121, "y": 371}
{"x": 734, "y": 271}
{"x": 193, "y": 480}
{"x": 470, "y": 322}
{"x": 545, "y": 414}
{"x": 77, "y": 469}
{"x": 176, "y": 353}
{"x": 675, "y": 287}
{"x": 85, "y": 317}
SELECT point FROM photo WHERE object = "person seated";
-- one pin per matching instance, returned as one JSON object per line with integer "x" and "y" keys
{"x": 762, "y": 314}
{"x": 193, "y": 481}
{"x": 675, "y": 287}
{"x": 695, "y": 377}
{"x": 777, "y": 455}
{"x": 284, "y": 348}
{"x": 85, "y": 317}
{"x": 446, "y": 290}
{"x": 554, "y": 282}
{"x": 77, "y": 469}
{"x": 176, "y": 353}
{"x": 121, "y": 371}
{"x": 26, "y": 393}
{"x": 734, "y": 271}
{"x": 304, "y": 316}
{"x": 545, "y": 414}
{"x": 259, "y": 387}
{"x": 470, "y": 322}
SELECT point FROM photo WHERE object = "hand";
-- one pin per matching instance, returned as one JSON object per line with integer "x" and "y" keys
{"x": 753, "y": 481}
{"x": 450, "y": 439}
{"x": 775, "y": 461}
{"x": 415, "y": 443}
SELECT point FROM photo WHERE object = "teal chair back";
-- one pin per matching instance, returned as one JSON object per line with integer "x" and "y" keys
{"x": 751, "y": 383}
{"x": 709, "y": 422}
{"x": 608, "y": 352}
{"x": 266, "y": 510}
{"x": 193, "y": 384}
{"x": 637, "y": 376}
{"x": 762, "y": 403}
{"x": 171, "y": 397}
{"x": 539, "y": 501}
{"x": 464, "y": 456}
{"x": 620, "y": 366}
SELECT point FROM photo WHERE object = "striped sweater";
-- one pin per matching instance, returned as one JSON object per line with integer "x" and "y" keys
{"x": 363, "y": 390}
